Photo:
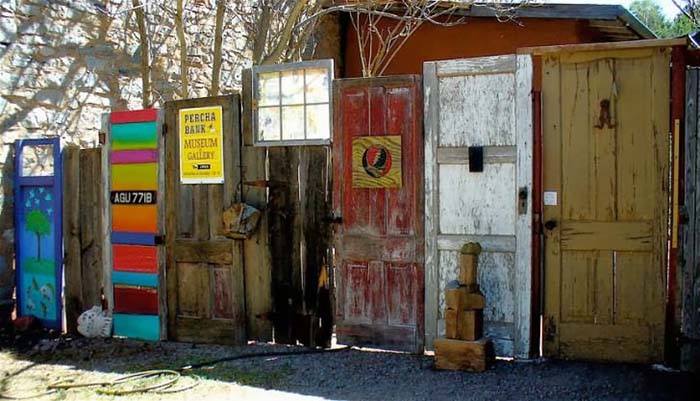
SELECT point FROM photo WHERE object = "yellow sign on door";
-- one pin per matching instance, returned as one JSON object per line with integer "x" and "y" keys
{"x": 201, "y": 145}
{"x": 376, "y": 162}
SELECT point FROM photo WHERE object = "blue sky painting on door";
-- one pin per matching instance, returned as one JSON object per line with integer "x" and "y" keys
{"x": 38, "y": 233}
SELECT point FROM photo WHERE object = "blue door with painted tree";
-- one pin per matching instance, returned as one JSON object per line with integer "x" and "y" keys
{"x": 38, "y": 232}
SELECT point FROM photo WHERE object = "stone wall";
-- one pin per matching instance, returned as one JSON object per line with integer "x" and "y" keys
{"x": 63, "y": 63}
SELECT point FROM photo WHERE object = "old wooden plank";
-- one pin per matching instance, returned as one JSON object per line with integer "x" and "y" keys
{"x": 91, "y": 226}
{"x": 431, "y": 102}
{"x": 238, "y": 294}
{"x": 489, "y": 243}
{"x": 477, "y": 110}
{"x": 619, "y": 236}
{"x": 71, "y": 237}
{"x": 492, "y": 155}
{"x": 589, "y": 47}
{"x": 316, "y": 234}
{"x": 106, "y": 218}
{"x": 171, "y": 206}
{"x": 654, "y": 301}
{"x": 551, "y": 162}
{"x": 207, "y": 251}
{"x": 281, "y": 231}
{"x": 482, "y": 65}
{"x": 695, "y": 266}
{"x": 162, "y": 227}
{"x": 523, "y": 224}
{"x": 689, "y": 259}
{"x": 256, "y": 251}
{"x": 461, "y": 208}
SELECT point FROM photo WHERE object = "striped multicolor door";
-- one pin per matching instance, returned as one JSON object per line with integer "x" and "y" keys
{"x": 134, "y": 197}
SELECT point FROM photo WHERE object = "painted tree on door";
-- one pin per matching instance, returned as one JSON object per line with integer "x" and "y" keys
{"x": 36, "y": 233}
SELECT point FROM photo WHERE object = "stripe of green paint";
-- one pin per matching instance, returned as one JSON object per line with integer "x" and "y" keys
{"x": 134, "y": 136}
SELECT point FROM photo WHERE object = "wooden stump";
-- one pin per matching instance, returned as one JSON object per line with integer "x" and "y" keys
{"x": 465, "y": 325}
{"x": 470, "y": 356}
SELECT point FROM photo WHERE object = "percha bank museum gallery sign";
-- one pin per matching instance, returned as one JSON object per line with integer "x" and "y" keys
{"x": 201, "y": 146}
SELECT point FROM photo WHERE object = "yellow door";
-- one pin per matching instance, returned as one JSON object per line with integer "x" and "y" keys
{"x": 605, "y": 175}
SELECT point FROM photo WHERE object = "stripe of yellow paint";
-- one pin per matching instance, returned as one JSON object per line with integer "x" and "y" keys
{"x": 138, "y": 176}
{"x": 135, "y": 218}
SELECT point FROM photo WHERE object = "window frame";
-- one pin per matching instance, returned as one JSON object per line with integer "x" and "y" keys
{"x": 327, "y": 64}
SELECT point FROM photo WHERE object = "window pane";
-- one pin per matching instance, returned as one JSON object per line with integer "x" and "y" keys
{"x": 269, "y": 124}
{"x": 37, "y": 160}
{"x": 293, "y": 122}
{"x": 293, "y": 87}
{"x": 269, "y": 89}
{"x": 318, "y": 122}
{"x": 317, "y": 85}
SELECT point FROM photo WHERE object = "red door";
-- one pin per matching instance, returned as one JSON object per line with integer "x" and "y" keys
{"x": 378, "y": 195}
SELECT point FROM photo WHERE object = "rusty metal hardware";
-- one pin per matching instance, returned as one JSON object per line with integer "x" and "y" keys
{"x": 522, "y": 200}
{"x": 605, "y": 116}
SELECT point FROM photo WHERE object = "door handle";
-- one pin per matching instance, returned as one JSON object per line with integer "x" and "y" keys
{"x": 550, "y": 224}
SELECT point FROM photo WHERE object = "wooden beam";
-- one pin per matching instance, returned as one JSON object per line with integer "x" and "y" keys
{"x": 632, "y": 44}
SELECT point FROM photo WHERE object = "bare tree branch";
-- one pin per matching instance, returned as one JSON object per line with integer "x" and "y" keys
{"x": 286, "y": 33}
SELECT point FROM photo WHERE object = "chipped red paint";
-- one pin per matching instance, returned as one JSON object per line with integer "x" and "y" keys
{"x": 380, "y": 240}
{"x": 223, "y": 301}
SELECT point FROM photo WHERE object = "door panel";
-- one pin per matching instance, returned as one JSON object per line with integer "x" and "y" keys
{"x": 379, "y": 243}
{"x": 606, "y": 242}
{"x": 204, "y": 268}
{"x": 480, "y": 102}
{"x": 38, "y": 179}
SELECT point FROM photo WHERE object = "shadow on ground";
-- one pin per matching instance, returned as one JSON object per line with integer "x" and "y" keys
{"x": 340, "y": 375}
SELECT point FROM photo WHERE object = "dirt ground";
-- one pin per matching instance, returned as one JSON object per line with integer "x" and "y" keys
{"x": 27, "y": 366}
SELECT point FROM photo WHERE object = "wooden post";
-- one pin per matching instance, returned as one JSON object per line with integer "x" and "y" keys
{"x": 90, "y": 226}
{"x": 256, "y": 250}
{"x": 71, "y": 237}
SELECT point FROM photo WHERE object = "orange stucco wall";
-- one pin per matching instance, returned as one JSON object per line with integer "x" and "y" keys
{"x": 476, "y": 37}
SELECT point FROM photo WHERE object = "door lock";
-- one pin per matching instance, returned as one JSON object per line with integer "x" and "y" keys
{"x": 550, "y": 224}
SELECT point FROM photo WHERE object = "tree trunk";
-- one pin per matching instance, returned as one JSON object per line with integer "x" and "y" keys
{"x": 38, "y": 248}
{"x": 145, "y": 53}
{"x": 218, "y": 32}
{"x": 184, "y": 72}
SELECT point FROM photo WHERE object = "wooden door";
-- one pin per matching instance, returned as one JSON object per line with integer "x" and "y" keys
{"x": 482, "y": 102}
{"x": 378, "y": 199}
{"x": 204, "y": 268}
{"x": 38, "y": 230}
{"x": 605, "y": 177}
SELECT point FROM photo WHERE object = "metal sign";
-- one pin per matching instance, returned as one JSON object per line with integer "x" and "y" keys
{"x": 133, "y": 197}
{"x": 201, "y": 145}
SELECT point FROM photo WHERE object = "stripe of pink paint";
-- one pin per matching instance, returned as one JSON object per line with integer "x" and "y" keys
{"x": 133, "y": 156}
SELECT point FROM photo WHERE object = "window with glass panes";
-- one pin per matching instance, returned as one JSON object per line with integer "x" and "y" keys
{"x": 293, "y": 103}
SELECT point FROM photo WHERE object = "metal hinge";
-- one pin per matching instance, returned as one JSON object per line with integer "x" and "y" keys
{"x": 159, "y": 239}
{"x": 164, "y": 130}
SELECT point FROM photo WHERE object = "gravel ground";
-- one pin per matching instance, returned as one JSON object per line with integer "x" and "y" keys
{"x": 341, "y": 375}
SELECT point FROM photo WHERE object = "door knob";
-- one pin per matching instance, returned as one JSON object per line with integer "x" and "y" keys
{"x": 550, "y": 224}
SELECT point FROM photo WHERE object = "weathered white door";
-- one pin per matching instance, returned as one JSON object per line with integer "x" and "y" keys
{"x": 480, "y": 102}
